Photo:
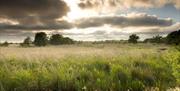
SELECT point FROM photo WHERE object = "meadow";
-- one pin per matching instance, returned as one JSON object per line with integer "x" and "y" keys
{"x": 90, "y": 67}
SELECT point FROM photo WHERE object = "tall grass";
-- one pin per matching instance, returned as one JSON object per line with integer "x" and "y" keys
{"x": 108, "y": 69}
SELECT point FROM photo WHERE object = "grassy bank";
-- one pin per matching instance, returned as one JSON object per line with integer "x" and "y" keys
{"x": 90, "y": 68}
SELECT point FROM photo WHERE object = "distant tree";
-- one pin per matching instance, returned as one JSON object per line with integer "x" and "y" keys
{"x": 56, "y": 39}
{"x": 133, "y": 38}
{"x": 67, "y": 40}
{"x": 41, "y": 39}
{"x": 155, "y": 39}
{"x": 5, "y": 44}
{"x": 173, "y": 38}
{"x": 27, "y": 42}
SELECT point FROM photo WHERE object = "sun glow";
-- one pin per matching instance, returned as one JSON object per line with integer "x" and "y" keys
{"x": 76, "y": 12}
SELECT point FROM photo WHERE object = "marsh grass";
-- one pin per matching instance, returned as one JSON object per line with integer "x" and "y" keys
{"x": 82, "y": 68}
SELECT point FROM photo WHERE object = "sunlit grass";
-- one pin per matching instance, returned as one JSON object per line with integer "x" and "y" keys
{"x": 105, "y": 67}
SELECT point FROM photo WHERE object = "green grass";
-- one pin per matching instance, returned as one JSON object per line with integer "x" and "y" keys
{"x": 146, "y": 69}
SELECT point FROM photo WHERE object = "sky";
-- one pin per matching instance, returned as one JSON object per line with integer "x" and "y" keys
{"x": 88, "y": 20}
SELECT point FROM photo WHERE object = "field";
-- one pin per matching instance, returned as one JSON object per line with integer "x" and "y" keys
{"x": 90, "y": 67}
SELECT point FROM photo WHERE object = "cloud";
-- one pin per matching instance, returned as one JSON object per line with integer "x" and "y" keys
{"x": 94, "y": 28}
{"x": 33, "y": 11}
{"x": 151, "y": 3}
{"x": 55, "y": 26}
{"x": 94, "y": 4}
{"x": 117, "y": 21}
{"x": 87, "y": 4}
{"x": 99, "y": 32}
{"x": 118, "y": 34}
{"x": 90, "y": 34}
{"x": 131, "y": 20}
{"x": 148, "y": 30}
{"x": 176, "y": 3}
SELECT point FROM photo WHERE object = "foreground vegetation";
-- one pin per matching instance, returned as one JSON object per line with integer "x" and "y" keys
{"x": 96, "y": 67}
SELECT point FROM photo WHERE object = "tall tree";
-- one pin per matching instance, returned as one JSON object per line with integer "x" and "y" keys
{"x": 133, "y": 38}
{"x": 56, "y": 39}
{"x": 41, "y": 39}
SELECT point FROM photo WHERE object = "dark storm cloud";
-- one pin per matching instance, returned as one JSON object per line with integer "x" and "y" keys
{"x": 33, "y": 11}
{"x": 131, "y": 20}
{"x": 16, "y": 33}
{"x": 134, "y": 20}
{"x": 53, "y": 26}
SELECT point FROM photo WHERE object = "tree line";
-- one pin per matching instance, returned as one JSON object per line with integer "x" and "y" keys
{"x": 41, "y": 39}
{"x": 171, "y": 38}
